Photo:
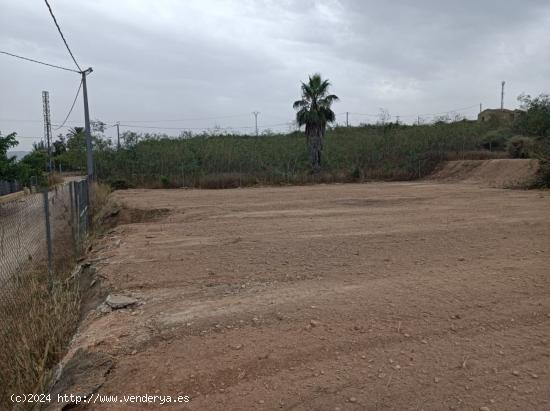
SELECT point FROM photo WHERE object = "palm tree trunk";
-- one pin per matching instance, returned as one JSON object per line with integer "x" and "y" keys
{"x": 315, "y": 145}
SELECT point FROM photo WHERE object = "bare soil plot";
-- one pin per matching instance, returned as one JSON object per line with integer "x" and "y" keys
{"x": 359, "y": 296}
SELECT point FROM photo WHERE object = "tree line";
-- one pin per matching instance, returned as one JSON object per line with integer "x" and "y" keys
{"x": 387, "y": 151}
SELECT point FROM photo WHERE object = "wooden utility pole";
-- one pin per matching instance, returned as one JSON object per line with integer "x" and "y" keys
{"x": 347, "y": 118}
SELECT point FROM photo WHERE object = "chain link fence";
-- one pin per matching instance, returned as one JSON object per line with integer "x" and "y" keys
{"x": 41, "y": 236}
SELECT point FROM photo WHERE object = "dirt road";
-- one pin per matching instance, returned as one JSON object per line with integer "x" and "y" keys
{"x": 352, "y": 297}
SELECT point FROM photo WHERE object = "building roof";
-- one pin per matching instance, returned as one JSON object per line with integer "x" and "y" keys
{"x": 502, "y": 110}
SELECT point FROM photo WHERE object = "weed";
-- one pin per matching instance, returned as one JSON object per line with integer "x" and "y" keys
{"x": 33, "y": 339}
{"x": 350, "y": 154}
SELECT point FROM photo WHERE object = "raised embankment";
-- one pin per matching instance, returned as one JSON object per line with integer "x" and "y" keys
{"x": 503, "y": 173}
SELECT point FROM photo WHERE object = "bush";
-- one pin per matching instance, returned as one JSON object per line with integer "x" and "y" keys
{"x": 496, "y": 139}
{"x": 54, "y": 179}
{"x": 165, "y": 182}
{"x": 34, "y": 339}
{"x": 226, "y": 180}
{"x": 350, "y": 153}
{"x": 119, "y": 184}
{"x": 520, "y": 147}
{"x": 543, "y": 175}
{"x": 536, "y": 120}
{"x": 99, "y": 195}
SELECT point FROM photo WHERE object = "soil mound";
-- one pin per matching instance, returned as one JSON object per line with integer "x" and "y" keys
{"x": 502, "y": 173}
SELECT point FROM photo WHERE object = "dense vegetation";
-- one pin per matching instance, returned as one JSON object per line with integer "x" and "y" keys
{"x": 8, "y": 169}
{"x": 387, "y": 152}
{"x": 32, "y": 166}
{"x": 369, "y": 152}
{"x": 384, "y": 152}
{"x": 536, "y": 125}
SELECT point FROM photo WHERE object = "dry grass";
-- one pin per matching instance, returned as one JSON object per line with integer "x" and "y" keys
{"x": 99, "y": 200}
{"x": 234, "y": 180}
{"x": 99, "y": 195}
{"x": 37, "y": 325}
{"x": 476, "y": 155}
{"x": 227, "y": 180}
{"x": 54, "y": 178}
{"x": 39, "y": 313}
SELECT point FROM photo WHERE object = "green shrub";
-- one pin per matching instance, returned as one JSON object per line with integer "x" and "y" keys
{"x": 543, "y": 174}
{"x": 350, "y": 154}
{"x": 520, "y": 147}
{"x": 165, "y": 182}
{"x": 119, "y": 184}
{"x": 495, "y": 140}
{"x": 226, "y": 180}
{"x": 535, "y": 121}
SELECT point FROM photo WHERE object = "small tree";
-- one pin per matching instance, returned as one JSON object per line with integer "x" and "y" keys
{"x": 536, "y": 120}
{"x": 8, "y": 168}
{"x": 314, "y": 111}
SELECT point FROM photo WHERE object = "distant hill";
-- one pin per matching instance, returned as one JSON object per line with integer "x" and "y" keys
{"x": 18, "y": 154}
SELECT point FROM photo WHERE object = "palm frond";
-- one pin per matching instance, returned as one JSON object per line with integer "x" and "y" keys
{"x": 299, "y": 104}
{"x": 313, "y": 109}
{"x": 328, "y": 100}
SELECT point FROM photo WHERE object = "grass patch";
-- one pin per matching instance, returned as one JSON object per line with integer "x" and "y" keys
{"x": 37, "y": 325}
{"x": 99, "y": 198}
{"x": 40, "y": 312}
{"x": 54, "y": 178}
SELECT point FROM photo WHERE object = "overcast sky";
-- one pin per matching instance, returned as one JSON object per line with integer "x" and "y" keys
{"x": 214, "y": 62}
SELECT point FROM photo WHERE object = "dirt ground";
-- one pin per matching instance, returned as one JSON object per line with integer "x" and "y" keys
{"x": 330, "y": 297}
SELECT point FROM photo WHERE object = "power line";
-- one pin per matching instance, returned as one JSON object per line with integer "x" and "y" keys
{"x": 20, "y": 121}
{"x": 442, "y": 112}
{"x": 39, "y": 121}
{"x": 185, "y": 119}
{"x": 71, "y": 109}
{"x": 362, "y": 114}
{"x": 39, "y": 62}
{"x": 201, "y": 128}
{"x": 142, "y": 121}
{"x": 180, "y": 128}
{"x": 412, "y": 115}
{"x": 131, "y": 126}
{"x": 62, "y": 36}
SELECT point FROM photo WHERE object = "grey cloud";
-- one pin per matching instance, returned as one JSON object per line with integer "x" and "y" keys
{"x": 168, "y": 59}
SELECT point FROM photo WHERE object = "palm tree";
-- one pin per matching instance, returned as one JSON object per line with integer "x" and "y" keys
{"x": 314, "y": 112}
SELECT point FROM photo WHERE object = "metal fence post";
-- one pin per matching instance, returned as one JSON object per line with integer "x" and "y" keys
{"x": 48, "y": 236}
{"x": 82, "y": 223}
{"x": 86, "y": 206}
{"x": 77, "y": 215}
{"x": 73, "y": 219}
